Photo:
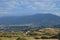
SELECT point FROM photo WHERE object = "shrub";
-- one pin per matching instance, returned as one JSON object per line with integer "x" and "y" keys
{"x": 20, "y": 38}
{"x": 0, "y": 39}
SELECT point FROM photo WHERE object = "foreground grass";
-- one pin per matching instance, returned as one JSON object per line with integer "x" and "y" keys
{"x": 27, "y": 38}
{"x": 6, "y": 38}
{"x": 40, "y": 34}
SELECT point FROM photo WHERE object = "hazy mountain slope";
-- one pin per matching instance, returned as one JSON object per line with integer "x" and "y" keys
{"x": 42, "y": 19}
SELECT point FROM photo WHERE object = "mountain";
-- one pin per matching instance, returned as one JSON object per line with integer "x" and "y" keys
{"x": 42, "y": 19}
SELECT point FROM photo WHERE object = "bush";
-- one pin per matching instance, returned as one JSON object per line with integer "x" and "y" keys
{"x": 20, "y": 38}
{"x": 56, "y": 36}
{"x": 0, "y": 39}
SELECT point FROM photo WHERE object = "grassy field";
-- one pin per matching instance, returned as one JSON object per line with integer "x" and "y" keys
{"x": 6, "y": 38}
{"x": 41, "y": 34}
{"x": 27, "y": 38}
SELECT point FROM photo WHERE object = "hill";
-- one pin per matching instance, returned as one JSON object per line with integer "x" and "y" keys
{"x": 41, "y": 19}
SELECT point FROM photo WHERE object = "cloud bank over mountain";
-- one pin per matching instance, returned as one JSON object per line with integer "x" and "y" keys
{"x": 22, "y": 7}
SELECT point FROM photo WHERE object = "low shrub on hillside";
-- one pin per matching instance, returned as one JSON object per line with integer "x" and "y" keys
{"x": 21, "y": 38}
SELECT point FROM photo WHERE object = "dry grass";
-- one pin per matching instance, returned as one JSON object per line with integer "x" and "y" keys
{"x": 23, "y": 35}
{"x": 6, "y": 38}
{"x": 47, "y": 39}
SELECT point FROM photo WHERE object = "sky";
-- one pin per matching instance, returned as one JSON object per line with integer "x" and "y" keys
{"x": 28, "y": 7}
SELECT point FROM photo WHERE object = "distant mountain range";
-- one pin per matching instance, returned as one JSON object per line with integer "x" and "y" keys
{"x": 41, "y": 19}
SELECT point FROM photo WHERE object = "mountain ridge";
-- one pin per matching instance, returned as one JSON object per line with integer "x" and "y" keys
{"x": 42, "y": 19}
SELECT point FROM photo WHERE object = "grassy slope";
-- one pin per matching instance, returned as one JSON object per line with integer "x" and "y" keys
{"x": 23, "y": 35}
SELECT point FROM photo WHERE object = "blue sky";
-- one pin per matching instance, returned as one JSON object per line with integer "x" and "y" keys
{"x": 26, "y": 7}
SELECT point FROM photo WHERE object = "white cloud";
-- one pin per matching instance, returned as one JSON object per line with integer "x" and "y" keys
{"x": 31, "y": 6}
{"x": 11, "y": 4}
{"x": 7, "y": 5}
{"x": 3, "y": 12}
{"x": 56, "y": 13}
{"x": 44, "y": 4}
